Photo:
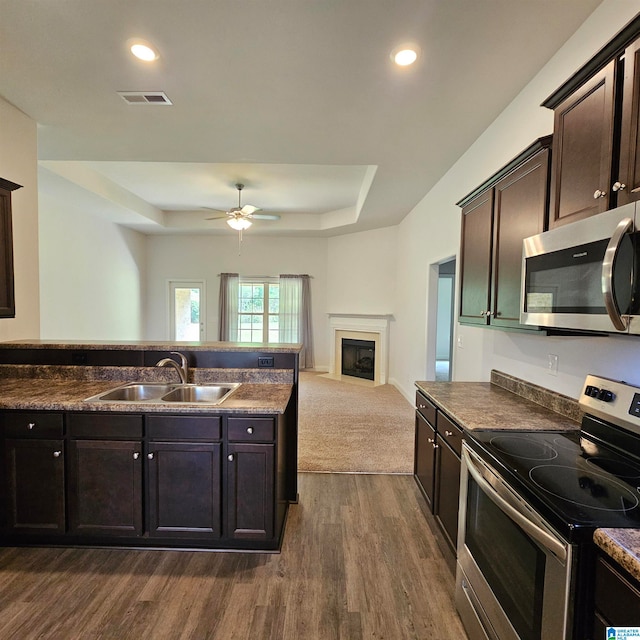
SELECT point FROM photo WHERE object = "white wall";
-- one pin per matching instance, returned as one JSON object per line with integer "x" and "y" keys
{"x": 361, "y": 272}
{"x": 92, "y": 275}
{"x": 204, "y": 257}
{"x": 18, "y": 163}
{"x": 432, "y": 232}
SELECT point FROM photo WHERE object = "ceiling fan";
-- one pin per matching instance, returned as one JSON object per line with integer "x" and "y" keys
{"x": 241, "y": 217}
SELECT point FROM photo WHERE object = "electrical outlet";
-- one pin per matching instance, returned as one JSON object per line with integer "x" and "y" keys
{"x": 265, "y": 361}
{"x": 552, "y": 364}
{"x": 459, "y": 342}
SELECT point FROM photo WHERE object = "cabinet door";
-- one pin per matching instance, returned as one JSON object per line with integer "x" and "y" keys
{"x": 35, "y": 483}
{"x": 250, "y": 491}
{"x": 475, "y": 277}
{"x": 629, "y": 173}
{"x": 447, "y": 490}
{"x": 520, "y": 209}
{"x": 105, "y": 487}
{"x": 617, "y": 596}
{"x": 425, "y": 457}
{"x": 184, "y": 490}
{"x": 582, "y": 150}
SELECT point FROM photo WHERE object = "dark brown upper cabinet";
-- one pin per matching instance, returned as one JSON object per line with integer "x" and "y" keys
{"x": 509, "y": 207}
{"x": 7, "y": 299}
{"x": 596, "y": 155}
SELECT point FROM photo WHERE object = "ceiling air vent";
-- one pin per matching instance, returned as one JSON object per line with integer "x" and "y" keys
{"x": 145, "y": 97}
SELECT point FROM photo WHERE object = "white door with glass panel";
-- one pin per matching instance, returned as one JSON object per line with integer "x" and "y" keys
{"x": 186, "y": 311}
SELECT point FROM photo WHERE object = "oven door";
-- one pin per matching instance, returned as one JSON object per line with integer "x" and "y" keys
{"x": 514, "y": 572}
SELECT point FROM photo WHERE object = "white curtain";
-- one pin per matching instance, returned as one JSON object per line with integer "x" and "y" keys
{"x": 295, "y": 315}
{"x": 228, "y": 307}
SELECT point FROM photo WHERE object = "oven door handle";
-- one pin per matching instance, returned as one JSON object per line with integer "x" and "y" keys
{"x": 548, "y": 541}
{"x": 607, "y": 273}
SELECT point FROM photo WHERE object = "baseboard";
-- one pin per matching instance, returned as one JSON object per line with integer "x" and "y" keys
{"x": 409, "y": 396}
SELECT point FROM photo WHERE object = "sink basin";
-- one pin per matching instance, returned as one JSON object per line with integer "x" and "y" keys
{"x": 138, "y": 392}
{"x": 210, "y": 393}
{"x": 135, "y": 392}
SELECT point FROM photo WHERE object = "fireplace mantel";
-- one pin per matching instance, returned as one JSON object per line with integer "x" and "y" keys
{"x": 359, "y": 325}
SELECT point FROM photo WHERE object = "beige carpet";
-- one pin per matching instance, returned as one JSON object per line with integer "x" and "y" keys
{"x": 350, "y": 428}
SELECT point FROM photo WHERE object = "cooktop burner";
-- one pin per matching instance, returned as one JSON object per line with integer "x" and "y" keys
{"x": 523, "y": 447}
{"x": 583, "y": 488}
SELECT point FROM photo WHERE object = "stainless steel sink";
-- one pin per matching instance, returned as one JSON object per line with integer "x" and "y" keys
{"x": 137, "y": 392}
{"x": 210, "y": 394}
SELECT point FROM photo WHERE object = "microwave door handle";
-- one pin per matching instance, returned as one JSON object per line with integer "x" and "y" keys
{"x": 545, "y": 539}
{"x": 607, "y": 273}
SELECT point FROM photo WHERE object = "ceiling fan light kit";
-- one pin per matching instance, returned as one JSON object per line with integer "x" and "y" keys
{"x": 239, "y": 223}
{"x": 241, "y": 217}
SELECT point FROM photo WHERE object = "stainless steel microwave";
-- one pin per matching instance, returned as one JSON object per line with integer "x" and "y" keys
{"x": 585, "y": 275}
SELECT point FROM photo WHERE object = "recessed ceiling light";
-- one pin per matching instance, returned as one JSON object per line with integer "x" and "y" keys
{"x": 405, "y": 55}
{"x": 143, "y": 51}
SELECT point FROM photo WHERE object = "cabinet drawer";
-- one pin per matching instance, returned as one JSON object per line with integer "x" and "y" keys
{"x": 251, "y": 429}
{"x": 450, "y": 432}
{"x": 104, "y": 425}
{"x": 426, "y": 408}
{"x": 617, "y": 596}
{"x": 33, "y": 424}
{"x": 184, "y": 427}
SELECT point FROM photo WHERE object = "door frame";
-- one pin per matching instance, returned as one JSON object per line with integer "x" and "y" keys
{"x": 172, "y": 285}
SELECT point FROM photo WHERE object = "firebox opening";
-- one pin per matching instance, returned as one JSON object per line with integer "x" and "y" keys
{"x": 358, "y": 358}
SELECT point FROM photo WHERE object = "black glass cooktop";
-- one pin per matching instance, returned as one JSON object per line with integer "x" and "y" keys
{"x": 575, "y": 482}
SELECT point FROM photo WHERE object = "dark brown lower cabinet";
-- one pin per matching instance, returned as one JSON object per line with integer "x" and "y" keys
{"x": 447, "y": 490}
{"x": 425, "y": 457}
{"x": 35, "y": 483}
{"x": 250, "y": 484}
{"x": 105, "y": 487}
{"x": 184, "y": 490}
{"x": 617, "y": 597}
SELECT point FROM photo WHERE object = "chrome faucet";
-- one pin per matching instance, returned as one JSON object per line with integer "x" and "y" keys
{"x": 182, "y": 368}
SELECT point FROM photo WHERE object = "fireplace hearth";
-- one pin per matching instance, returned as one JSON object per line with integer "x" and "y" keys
{"x": 358, "y": 358}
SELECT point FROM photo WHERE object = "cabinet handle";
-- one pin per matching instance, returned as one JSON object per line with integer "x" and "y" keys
{"x": 448, "y": 433}
{"x": 31, "y": 425}
{"x": 431, "y": 440}
{"x": 136, "y": 455}
{"x": 422, "y": 406}
{"x": 57, "y": 454}
{"x": 150, "y": 456}
{"x": 249, "y": 430}
{"x": 230, "y": 457}
{"x": 618, "y": 186}
{"x": 483, "y": 314}
{"x": 436, "y": 446}
{"x": 599, "y": 194}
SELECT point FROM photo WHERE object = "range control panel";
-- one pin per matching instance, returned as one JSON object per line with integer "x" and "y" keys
{"x": 612, "y": 400}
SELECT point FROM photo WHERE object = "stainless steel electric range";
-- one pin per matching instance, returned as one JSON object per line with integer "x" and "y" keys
{"x": 530, "y": 503}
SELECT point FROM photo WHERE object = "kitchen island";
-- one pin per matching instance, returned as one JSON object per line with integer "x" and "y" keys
{"x": 153, "y": 473}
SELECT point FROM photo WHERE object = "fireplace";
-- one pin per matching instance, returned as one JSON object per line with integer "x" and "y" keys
{"x": 368, "y": 328}
{"x": 358, "y": 358}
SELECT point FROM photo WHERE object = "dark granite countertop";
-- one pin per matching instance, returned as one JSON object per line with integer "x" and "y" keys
{"x": 69, "y": 394}
{"x": 485, "y": 405}
{"x": 623, "y": 546}
{"x": 142, "y": 345}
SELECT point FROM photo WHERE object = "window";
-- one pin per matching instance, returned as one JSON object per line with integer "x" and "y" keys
{"x": 258, "y": 310}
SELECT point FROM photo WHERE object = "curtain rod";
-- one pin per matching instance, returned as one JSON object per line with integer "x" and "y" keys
{"x": 265, "y": 277}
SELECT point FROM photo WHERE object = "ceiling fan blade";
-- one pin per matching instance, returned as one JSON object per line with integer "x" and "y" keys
{"x": 216, "y": 210}
{"x": 248, "y": 209}
{"x": 265, "y": 216}
{"x": 222, "y": 217}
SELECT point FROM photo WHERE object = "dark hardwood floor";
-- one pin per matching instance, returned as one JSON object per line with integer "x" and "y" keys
{"x": 358, "y": 561}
